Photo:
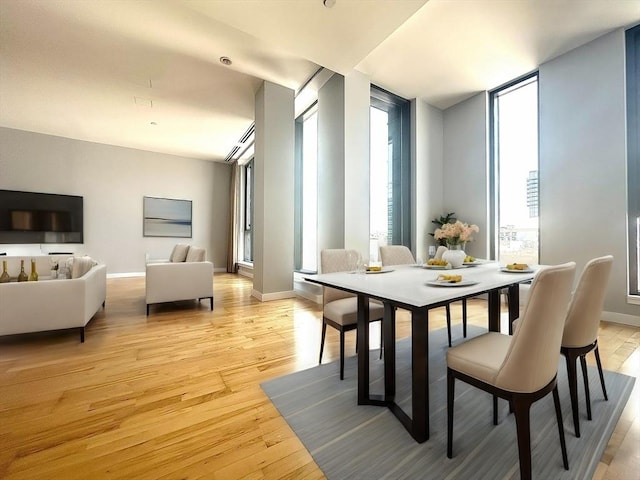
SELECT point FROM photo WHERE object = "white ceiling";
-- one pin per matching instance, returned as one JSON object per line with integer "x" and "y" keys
{"x": 102, "y": 71}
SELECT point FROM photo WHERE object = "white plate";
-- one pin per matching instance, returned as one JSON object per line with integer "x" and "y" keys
{"x": 471, "y": 264}
{"x": 526, "y": 270}
{"x": 384, "y": 270}
{"x": 443, "y": 267}
{"x": 444, "y": 283}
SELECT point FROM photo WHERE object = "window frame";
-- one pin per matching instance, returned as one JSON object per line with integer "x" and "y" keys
{"x": 247, "y": 210}
{"x": 401, "y": 164}
{"x": 494, "y": 173}
{"x": 632, "y": 53}
{"x": 298, "y": 190}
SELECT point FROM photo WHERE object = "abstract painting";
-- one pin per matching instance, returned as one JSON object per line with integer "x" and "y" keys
{"x": 166, "y": 217}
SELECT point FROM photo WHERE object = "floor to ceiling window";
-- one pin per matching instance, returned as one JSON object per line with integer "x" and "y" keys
{"x": 633, "y": 156}
{"x": 306, "y": 192}
{"x": 514, "y": 155}
{"x": 389, "y": 171}
{"x": 247, "y": 212}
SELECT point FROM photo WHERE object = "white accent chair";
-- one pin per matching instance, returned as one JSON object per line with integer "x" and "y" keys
{"x": 521, "y": 368}
{"x": 171, "y": 281}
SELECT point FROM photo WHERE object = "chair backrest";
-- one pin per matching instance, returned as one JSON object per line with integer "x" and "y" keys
{"x": 440, "y": 251}
{"x": 337, "y": 260}
{"x": 532, "y": 359}
{"x": 585, "y": 310}
{"x": 396, "y": 255}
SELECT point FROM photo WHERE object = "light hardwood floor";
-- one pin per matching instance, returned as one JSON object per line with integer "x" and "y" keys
{"x": 177, "y": 394}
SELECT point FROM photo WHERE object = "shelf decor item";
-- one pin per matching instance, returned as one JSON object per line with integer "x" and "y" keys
{"x": 33, "y": 277}
{"x": 4, "y": 278}
{"x": 22, "y": 276}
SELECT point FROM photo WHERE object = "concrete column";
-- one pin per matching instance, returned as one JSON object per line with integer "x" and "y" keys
{"x": 273, "y": 193}
{"x": 343, "y": 163}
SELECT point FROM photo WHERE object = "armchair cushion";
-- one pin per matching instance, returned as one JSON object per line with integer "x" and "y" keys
{"x": 196, "y": 254}
{"x": 179, "y": 253}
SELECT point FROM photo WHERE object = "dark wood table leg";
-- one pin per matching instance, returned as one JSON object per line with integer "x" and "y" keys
{"x": 389, "y": 325}
{"x": 420, "y": 374}
{"x": 514, "y": 305}
{"x": 494, "y": 310}
{"x": 363, "y": 350}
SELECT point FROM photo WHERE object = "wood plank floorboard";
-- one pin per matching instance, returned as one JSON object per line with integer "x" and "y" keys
{"x": 177, "y": 394}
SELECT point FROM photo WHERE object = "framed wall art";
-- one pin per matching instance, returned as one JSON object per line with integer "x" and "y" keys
{"x": 166, "y": 217}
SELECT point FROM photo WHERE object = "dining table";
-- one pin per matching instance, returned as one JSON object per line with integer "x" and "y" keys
{"x": 418, "y": 289}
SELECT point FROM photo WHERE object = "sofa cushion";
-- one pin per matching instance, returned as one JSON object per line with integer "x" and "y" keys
{"x": 81, "y": 265}
{"x": 179, "y": 253}
{"x": 196, "y": 255}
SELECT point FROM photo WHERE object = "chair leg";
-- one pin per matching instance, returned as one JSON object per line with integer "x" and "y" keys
{"x": 341, "y": 354}
{"x": 604, "y": 389}
{"x": 450, "y": 397}
{"x": 381, "y": 339}
{"x": 585, "y": 378}
{"x": 495, "y": 410}
{"x": 448, "y": 310}
{"x": 573, "y": 390}
{"x": 521, "y": 406}
{"x": 563, "y": 445}
{"x": 324, "y": 334}
{"x": 464, "y": 317}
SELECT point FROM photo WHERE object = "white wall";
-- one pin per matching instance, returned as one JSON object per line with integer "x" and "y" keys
{"x": 583, "y": 198}
{"x": 582, "y": 164}
{"x": 465, "y": 176}
{"x": 427, "y": 167}
{"x": 113, "y": 181}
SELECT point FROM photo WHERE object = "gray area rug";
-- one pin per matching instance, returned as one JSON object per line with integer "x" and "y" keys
{"x": 348, "y": 441}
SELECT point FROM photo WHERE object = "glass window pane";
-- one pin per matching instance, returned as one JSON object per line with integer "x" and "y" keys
{"x": 380, "y": 182}
{"x": 516, "y": 161}
{"x": 310, "y": 193}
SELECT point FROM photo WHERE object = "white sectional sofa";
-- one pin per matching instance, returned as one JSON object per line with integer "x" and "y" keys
{"x": 49, "y": 304}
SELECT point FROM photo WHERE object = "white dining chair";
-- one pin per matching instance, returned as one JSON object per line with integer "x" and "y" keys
{"x": 580, "y": 334}
{"x": 521, "y": 368}
{"x": 339, "y": 308}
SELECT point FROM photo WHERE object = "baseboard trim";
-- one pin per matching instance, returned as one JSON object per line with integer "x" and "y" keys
{"x": 623, "y": 318}
{"x": 309, "y": 296}
{"x": 267, "y": 297}
{"x": 125, "y": 275}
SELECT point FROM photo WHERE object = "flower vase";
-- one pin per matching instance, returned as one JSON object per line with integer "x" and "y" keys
{"x": 454, "y": 255}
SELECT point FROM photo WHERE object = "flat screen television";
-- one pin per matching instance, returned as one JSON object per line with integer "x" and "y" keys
{"x": 29, "y": 217}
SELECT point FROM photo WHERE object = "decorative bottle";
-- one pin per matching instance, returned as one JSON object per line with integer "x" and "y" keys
{"x": 22, "y": 277}
{"x": 4, "y": 278}
{"x": 34, "y": 275}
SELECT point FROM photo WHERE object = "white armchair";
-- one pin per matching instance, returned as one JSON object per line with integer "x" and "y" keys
{"x": 180, "y": 280}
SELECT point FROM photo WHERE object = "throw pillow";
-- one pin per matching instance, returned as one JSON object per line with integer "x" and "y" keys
{"x": 196, "y": 255}
{"x": 179, "y": 253}
{"x": 82, "y": 265}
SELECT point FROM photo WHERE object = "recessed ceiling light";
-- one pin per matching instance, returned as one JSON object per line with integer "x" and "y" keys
{"x": 225, "y": 60}
{"x": 329, "y": 3}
